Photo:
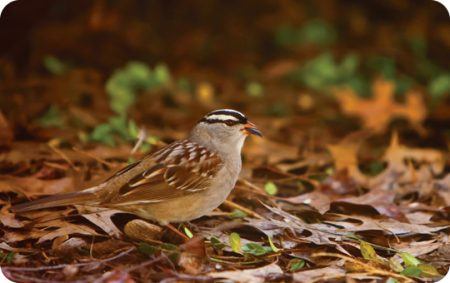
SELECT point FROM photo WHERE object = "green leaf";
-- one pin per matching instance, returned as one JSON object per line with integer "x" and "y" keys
{"x": 409, "y": 259}
{"x": 235, "y": 242}
{"x": 254, "y": 89}
{"x": 317, "y": 32}
{"x": 256, "y": 249}
{"x": 391, "y": 280}
{"x": 237, "y": 213}
{"x": 439, "y": 86}
{"x": 428, "y": 270}
{"x": 271, "y": 188}
{"x": 411, "y": 271}
{"x": 54, "y": 65}
{"x": 323, "y": 72}
{"x": 188, "y": 232}
{"x": 296, "y": 264}
{"x": 367, "y": 251}
{"x": 52, "y": 118}
{"x": 145, "y": 147}
{"x": 314, "y": 32}
{"x": 162, "y": 74}
{"x": 103, "y": 133}
{"x": 133, "y": 129}
{"x": 385, "y": 66}
{"x": 217, "y": 244}
{"x": 272, "y": 246}
{"x": 147, "y": 249}
{"x": 123, "y": 85}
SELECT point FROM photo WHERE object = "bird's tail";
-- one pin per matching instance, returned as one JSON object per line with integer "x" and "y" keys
{"x": 82, "y": 197}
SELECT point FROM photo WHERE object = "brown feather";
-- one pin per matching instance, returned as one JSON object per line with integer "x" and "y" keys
{"x": 55, "y": 201}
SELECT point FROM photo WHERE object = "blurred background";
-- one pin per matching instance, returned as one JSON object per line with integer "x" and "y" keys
{"x": 98, "y": 71}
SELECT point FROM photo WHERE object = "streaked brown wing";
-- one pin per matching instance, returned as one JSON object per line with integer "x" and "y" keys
{"x": 182, "y": 168}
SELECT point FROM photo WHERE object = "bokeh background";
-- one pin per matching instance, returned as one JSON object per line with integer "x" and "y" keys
{"x": 97, "y": 71}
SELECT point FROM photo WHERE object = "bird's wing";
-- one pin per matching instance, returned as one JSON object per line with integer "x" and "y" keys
{"x": 181, "y": 168}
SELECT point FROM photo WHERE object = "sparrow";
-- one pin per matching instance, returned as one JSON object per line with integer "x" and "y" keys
{"x": 180, "y": 182}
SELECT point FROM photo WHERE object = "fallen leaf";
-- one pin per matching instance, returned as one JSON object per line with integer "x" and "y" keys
{"x": 257, "y": 275}
{"x": 8, "y": 219}
{"x": 378, "y": 111}
{"x": 315, "y": 199}
{"x": 31, "y": 186}
{"x": 396, "y": 155}
{"x": 381, "y": 200}
{"x": 418, "y": 248}
{"x": 67, "y": 229}
{"x": 356, "y": 223}
{"x": 101, "y": 217}
{"x": 319, "y": 274}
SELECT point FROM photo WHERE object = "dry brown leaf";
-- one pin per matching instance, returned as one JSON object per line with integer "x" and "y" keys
{"x": 319, "y": 274}
{"x": 377, "y": 112}
{"x": 381, "y": 200}
{"x": 66, "y": 229}
{"x": 316, "y": 199}
{"x": 345, "y": 156}
{"x": 257, "y": 275}
{"x": 69, "y": 245}
{"x": 418, "y": 248}
{"x": 355, "y": 223}
{"x": 396, "y": 155}
{"x": 31, "y": 186}
{"x": 48, "y": 230}
{"x": 419, "y": 217}
{"x": 101, "y": 217}
{"x": 8, "y": 219}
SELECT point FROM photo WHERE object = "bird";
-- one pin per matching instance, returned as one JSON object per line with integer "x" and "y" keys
{"x": 180, "y": 182}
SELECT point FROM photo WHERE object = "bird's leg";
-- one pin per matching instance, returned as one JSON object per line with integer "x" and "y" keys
{"x": 175, "y": 230}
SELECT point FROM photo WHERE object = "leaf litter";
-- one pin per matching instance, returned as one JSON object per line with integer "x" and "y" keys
{"x": 324, "y": 196}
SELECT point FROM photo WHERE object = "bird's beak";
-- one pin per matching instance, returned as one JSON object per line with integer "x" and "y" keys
{"x": 250, "y": 129}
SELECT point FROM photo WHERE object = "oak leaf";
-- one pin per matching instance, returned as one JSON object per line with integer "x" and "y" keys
{"x": 378, "y": 111}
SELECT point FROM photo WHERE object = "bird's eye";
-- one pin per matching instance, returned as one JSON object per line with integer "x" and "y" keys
{"x": 230, "y": 123}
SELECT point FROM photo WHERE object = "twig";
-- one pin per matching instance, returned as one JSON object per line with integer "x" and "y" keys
{"x": 141, "y": 138}
{"x": 234, "y": 205}
{"x": 175, "y": 230}
{"x": 145, "y": 263}
{"x": 253, "y": 186}
{"x": 63, "y": 155}
{"x": 55, "y": 165}
{"x": 98, "y": 159}
{"x": 26, "y": 278}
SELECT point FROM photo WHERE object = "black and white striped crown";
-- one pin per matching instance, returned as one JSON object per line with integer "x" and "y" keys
{"x": 227, "y": 116}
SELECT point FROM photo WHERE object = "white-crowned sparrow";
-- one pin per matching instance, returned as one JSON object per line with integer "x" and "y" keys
{"x": 182, "y": 181}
